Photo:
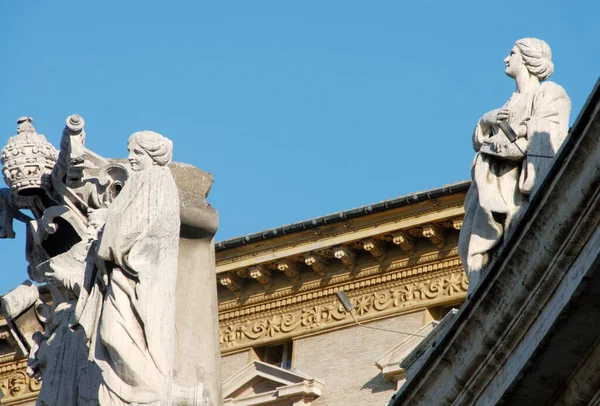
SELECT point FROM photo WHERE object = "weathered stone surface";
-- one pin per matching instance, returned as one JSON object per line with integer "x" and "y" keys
{"x": 139, "y": 242}
{"x": 197, "y": 356}
{"x": 515, "y": 146}
{"x": 105, "y": 239}
{"x": 528, "y": 334}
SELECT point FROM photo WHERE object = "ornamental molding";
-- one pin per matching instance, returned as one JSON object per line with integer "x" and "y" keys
{"x": 446, "y": 210}
{"x": 278, "y": 386}
{"x": 16, "y": 385}
{"x": 326, "y": 313}
{"x": 324, "y": 296}
{"x": 7, "y": 358}
{"x": 369, "y": 276}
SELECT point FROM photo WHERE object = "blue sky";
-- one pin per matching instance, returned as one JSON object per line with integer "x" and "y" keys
{"x": 299, "y": 109}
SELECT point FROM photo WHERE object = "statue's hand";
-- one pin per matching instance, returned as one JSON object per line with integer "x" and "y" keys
{"x": 494, "y": 116}
{"x": 503, "y": 114}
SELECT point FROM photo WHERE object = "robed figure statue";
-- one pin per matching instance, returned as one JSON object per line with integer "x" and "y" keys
{"x": 139, "y": 243}
{"x": 508, "y": 168}
{"x": 103, "y": 239}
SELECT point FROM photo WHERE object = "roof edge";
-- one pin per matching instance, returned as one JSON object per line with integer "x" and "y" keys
{"x": 343, "y": 215}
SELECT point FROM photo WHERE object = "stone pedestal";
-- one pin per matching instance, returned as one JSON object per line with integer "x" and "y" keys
{"x": 197, "y": 372}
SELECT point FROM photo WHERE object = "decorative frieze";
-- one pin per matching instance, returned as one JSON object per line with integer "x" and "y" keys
{"x": 443, "y": 261}
{"x": 16, "y": 385}
{"x": 242, "y": 332}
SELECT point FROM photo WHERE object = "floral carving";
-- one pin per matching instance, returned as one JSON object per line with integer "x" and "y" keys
{"x": 319, "y": 316}
{"x": 312, "y": 317}
{"x": 14, "y": 381}
{"x": 17, "y": 383}
{"x": 363, "y": 305}
{"x": 453, "y": 284}
{"x": 230, "y": 334}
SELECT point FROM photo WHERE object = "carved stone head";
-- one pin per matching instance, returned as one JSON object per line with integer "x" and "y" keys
{"x": 147, "y": 148}
{"x": 532, "y": 54}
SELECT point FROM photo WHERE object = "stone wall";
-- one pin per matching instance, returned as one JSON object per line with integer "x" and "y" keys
{"x": 230, "y": 364}
{"x": 345, "y": 361}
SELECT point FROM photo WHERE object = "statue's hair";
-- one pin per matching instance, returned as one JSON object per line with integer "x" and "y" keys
{"x": 537, "y": 57}
{"x": 159, "y": 148}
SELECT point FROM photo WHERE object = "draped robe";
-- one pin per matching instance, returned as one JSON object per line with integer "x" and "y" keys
{"x": 136, "y": 330}
{"x": 503, "y": 180}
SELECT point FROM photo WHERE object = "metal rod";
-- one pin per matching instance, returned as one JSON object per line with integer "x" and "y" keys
{"x": 347, "y": 304}
{"x": 512, "y": 137}
{"x": 384, "y": 329}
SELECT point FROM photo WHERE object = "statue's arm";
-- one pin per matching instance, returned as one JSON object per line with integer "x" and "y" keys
{"x": 478, "y": 137}
{"x": 483, "y": 129}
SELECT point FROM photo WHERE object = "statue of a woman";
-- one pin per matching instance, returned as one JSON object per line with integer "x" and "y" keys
{"x": 505, "y": 173}
{"x": 139, "y": 244}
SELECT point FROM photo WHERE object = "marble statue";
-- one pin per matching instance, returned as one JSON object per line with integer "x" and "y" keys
{"x": 104, "y": 239}
{"x": 514, "y": 148}
{"x": 139, "y": 243}
{"x": 59, "y": 188}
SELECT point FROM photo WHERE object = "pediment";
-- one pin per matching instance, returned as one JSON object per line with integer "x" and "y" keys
{"x": 389, "y": 363}
{"x": 259, "y": 383}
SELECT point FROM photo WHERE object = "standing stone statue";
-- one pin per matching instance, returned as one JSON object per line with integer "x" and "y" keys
{"x": 514, "y": 148}
{"x": 105, "y": 241}
{"x": 139, "y": 242}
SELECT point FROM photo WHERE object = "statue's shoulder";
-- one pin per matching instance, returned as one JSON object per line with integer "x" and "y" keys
{"x": 549, "y": 88}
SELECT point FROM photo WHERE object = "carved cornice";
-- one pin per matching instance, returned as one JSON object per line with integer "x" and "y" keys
{"x": 452, "y": 208}
{"x": 404, "y": 241}
{"x": 231, "y": 282}
{"x": 374, "y": 247}
{"x": 346, "y": 255}
{"x": 318, "y": 264}
{"x": 323, "y": 312}
{"x": 322, "y": 260}
{"x": 358, "y": 257}
{"x": 435, "y": 233}
{"x": 369, "y": 276}
{"x": 13, "y": 356}
{"x": 260, "y": 274}
{"x": 288, "y": 268}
